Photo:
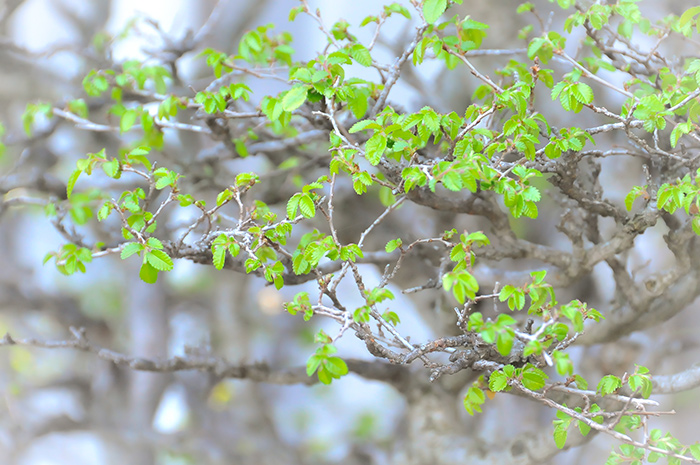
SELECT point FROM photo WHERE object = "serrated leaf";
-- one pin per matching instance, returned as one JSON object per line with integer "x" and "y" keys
{"x": 360, "y": 54}
{"x": 219, "y": 257}
{"x": 292, "y": 206}
{"x": 609, "y": 384}
{"x": 534, "y": 379}
{"x": 582, "y": 92}
{"x": 360, "y": 125}
{"x": 452, "y": 181}
{"x": 234, "y": 249}
{"x": 104, "y": 212}
{"x": 498, "y": 381}
{"x": 374, "y": 148}
{"x": 294, "y": 98}
{"x": 531, "y": 194}
{"x": 112, "y": 168}
{"x": 307, "y": 207}
{"x": 300, "y": 265}
{"x": 159, "y": 260}
{"x": 154, "y": 243}
{"x": 130, "y": 249}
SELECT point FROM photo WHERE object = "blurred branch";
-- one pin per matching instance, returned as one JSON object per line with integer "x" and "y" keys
{"x": 678, "y": 382}
{"x": 219, "y": 367}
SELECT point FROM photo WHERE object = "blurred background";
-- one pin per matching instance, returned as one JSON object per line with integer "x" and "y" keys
{"x": 66, "y": 407}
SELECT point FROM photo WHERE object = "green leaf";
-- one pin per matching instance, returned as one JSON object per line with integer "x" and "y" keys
{"x": 154, "y": 243}
{"x": 609, "y": 384}
{"x": 307, "y": 207}
{"x": 127, "y": 120}
{"x": 79, "y": 107}
{"x": 633, "y": 195}
{"x": 498, "y": 381}
{"x": 473, "y": 400}
{"x": 688, "y": 15}
{"x": 525, "y": 7}
{"x": 452, "y": 181}
{"x": 582, "y": 92}
{"x": 679, "y": 130}
{"x": 433, "y": 9}
{"x": 294, "y": 98}
{"x": 148, "y": 274}
{"x": 504, "y": 343}
{"x": 534, "y": 378}
{"x": 246, "y": 180}
{"x": 374, "y": 148}
{"x": 241, "y": 148}
{"x": 112, "y": 168}
{"x": 386, "y": 196}
{"x": 104, "y": 211}
{"x": 564, "y": 365}
{"x": 313, "y": 363}
{"x": 696, "y": 225}
{"x": 72, "y": 180}
{"x": 695, "y": 451}
{"x": 159, "y": 260}
{"x": 336, "y": 366}
{"x": 393, "y": 245}
{"x": 219, "y": 257}
{"x": 130, "y": 249}
{"x": 360, "y": 54}
{"x": 391, "y": 317}
{"x": 560, "y": 435}
{"x": 300, "y": 265}
{"x": 294, "y": 12}
{"x": 360, "y": 125}
{"x": 293, "y": 206}
{"x": 223, "y": 197}
{"x": 642, "y": 383}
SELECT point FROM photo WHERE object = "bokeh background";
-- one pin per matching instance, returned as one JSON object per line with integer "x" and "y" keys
{"x": 65, "y": 407}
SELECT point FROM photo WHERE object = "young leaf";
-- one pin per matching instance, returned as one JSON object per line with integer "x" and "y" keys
{"x": 360, "y": 54}
{"x": 71, "y": 182}
{"x": 127, "y": 120}
{"x": 219, "y": 257}
{"x": 294, "y": 98}
{"x": 148, "y": 274}
{"x": 159, "y": 260}
{"x": 293, "y": 206}
{"x": 374, "y": 148}
{"x": 393, "y": 245}
{"x": 433, "y": 9}
{"x": 306, "y": 205}
{"x": 130, "y": 249}
{"x": 498, "y": 381}
{"x": 112, "y": 168}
